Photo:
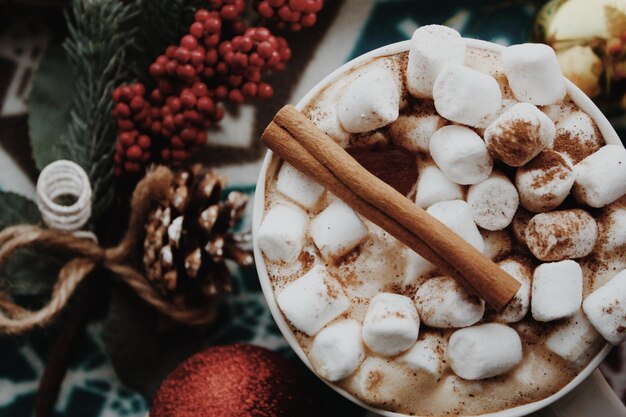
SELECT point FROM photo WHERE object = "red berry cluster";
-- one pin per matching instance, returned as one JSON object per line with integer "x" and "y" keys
{"x": 292, "y": 14}
{"x": 244, "y": 59}
{"x": 219, "y": 59}
{"x": 134, "y": 115}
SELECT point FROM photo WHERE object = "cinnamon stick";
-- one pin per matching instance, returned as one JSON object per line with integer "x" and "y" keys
{"x": 319, "y": 157}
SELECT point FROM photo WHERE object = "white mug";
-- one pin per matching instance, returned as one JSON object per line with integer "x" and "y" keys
{"x": 587, "y": 395}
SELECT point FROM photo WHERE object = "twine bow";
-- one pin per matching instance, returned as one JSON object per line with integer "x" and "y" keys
{"x": 88, "y": 256}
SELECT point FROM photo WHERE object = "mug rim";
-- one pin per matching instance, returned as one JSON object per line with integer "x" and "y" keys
{"x": 582, "y": 101}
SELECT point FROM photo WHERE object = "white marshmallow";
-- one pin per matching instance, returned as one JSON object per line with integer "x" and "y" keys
{"x": 559, "y": 235}
{"x": 432, "y": 48}
{"x": 313, "y": 300}
{"x": 413, "y": 132}
{"x": 326, "y": 118}
{"x": 433, "y": 186}
{"x": 497, "y": 244}
{"x": 518, "y": 135}
{"x": 467, "y": 96}
{"x": 484, "y": 351}
{"x": 601, "y": 177}
{"x": 298, "y": 187}
{"x": 519, "y": 224}
{"x": 606, "y": 309}
{"x": 557, "y": 290}
{"x": 442, "y": 302}
{"x": 382, "y": 381}
{"x": 534, "y": 73}
{"x": 575, "y": 340}
{"x": 493, "y": 202}
{"x": 461, "y": 154}
{"x": 545, "y": 182}
{"x": 337, "y": 230}
{"x": 577, "y": 136}
{"x": 425, "y": 355}
{"x": 282, "y": 232}
{"x": 391, "y": 324}
{"x": 457, "y": 215}
{"x": 517, "y": 308}
{"x": 612, "y": 226}
{"x": 416, "y": 267}
{"x": 337, "y": 351}
{"x": 370, "y": 101}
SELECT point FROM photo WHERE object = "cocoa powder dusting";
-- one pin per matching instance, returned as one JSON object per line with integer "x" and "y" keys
{"x": 394, "y": 165}
{"x": 516, "y": 142}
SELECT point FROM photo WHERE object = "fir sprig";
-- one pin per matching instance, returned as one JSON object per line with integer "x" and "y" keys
{"x": 100, "y": 38}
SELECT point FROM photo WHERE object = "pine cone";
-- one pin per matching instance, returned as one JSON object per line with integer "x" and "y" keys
{"x": 188, "y": 238}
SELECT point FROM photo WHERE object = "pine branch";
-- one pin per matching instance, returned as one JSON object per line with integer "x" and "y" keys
{"x": 98, "y": 49}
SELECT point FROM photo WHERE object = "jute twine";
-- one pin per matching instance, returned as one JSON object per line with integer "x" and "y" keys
{"x": 87, "y": 255}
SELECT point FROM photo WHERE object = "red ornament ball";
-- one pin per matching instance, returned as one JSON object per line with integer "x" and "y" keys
{"x": 234, "y": 381}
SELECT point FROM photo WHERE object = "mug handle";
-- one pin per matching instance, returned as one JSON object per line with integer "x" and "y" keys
{"x": 593, "y": 397}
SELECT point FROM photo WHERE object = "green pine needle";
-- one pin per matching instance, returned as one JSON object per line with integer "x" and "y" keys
{"x": 101, "y": 35}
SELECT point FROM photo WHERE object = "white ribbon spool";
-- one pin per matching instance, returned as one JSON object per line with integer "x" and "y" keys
{"x": 64, "y": 178}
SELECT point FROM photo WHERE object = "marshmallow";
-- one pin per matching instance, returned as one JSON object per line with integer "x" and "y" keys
{"x": 413, "y": 132}
{"x": 612, "y": 226}
{"x": 497, "y": 244}
{"x": 433, "y": 186}
{"x": 298, "y": 187}
{"x": 493, "y": 202}
{"x": 370, "y": 101}
{"x": 545, "y": 182}
{"x": 518, "y": 135}
{"x": 577, "y": 136}
{"x": 391, "y": 324}
{"x": 517, "y": 308}
{"x": 432, "y": 48}
{"x": 534, "y": 73}
{"x": 457, "y": 215}
{"x": 519, "y": 223}
{"x": 425, "y": 356}
{"x": 461, "y": 154}
{"x": 606, "y": 309}
{"x": 575, "y": 340}
{"x": 383, "y": 381}
{"x": 313, "y": 300}
{"x": 443, "y": 303}
{"x": 467, "y": 96}
{"x": 484, "y": 351}
{"x": 327, "y": 121}
{"x": 416, "y": 267}
{"x": 282, "y": 232}
{"x": 337, "y": 230}
{"x": 559, "y": 235}
{"x": 557, "y": 290}
{"x": 337, "y": 351}
{"x": 601, "y": 177}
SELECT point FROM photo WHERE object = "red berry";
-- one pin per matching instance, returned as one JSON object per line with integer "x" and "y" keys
{"x": 132, "y": 167}
{"x": 202, "y": 15}
{"x": 122, "y": 110}
{"x": 265, "y": 90}
{"x": 116, "y": 95}
{"x": 126, "y": 138}
{"x": 229, "y": 12}
{"x": 205, "y": 104}
{"x": 265, "y": 10}
{"x": 179, "y": 156}
{"x": 126, "y": 93}
{"x": 157, "y": 70}
{"x": 138, "y": 89}
{"x": 308, "y": 20}
{"x": 196, "y": 29}
{"x": 176, "y": 142}
{"x": 125, "y": 124}
{"x": 183, "y": 55}
{"x": 201, "y": 138}
{"x": 213, "y": 25}
{"x": 134, "y": 152}
{"x": 197, "y": 57}
{"x": 199, "y": 89}
{"x": 236, "y": 96}
{"x": 170, "y": 51}
{"x": 249, "y": 89}
{"x": 137, "y": 103}
{"x": 189, "y": 42}
{"x": 144, "y": 141}
{"x": 188, "y": 135}
{"x": 188, "y": 99}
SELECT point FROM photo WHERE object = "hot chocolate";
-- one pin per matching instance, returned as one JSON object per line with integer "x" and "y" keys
{"x": 509, "y": 163}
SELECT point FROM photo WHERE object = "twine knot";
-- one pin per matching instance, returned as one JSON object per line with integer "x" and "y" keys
{"x": 86, "y": 255}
